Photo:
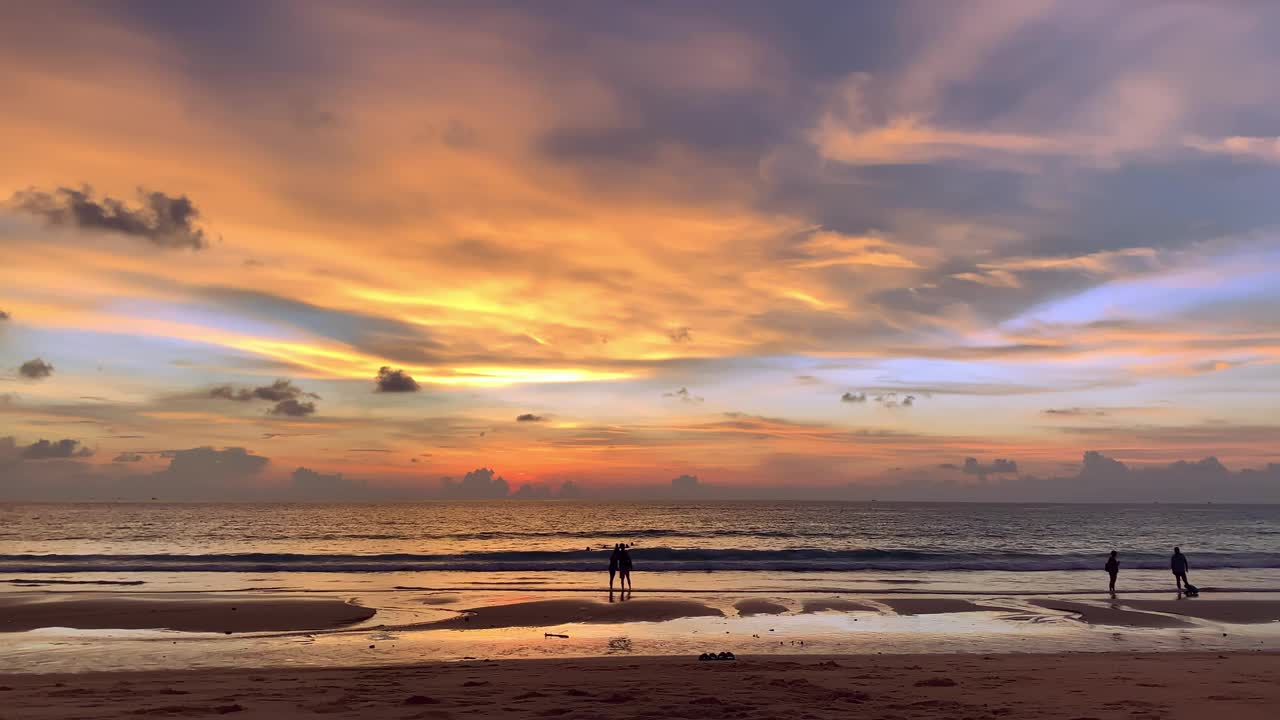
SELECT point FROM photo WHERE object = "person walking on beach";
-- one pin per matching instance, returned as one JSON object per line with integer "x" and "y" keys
{"x": 613, "y": 565}
{"x": 624, "y": 568}
{"x": 1178, "y": 564}
{"x": 1113, "y": 569}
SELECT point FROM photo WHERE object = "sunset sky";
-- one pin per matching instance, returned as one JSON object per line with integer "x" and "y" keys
{"x": 763, "y": 244}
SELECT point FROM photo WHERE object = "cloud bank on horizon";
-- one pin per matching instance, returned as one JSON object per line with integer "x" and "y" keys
{"x": 833, "y": 245}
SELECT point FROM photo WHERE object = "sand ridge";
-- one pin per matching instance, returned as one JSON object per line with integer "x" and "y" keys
{"x": 190, "y": 613}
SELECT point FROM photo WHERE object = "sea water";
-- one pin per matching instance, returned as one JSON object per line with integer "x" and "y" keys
{"x": 695, "y": 547}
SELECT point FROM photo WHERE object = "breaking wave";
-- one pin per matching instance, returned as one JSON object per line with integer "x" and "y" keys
{"x": 646, "y": 559}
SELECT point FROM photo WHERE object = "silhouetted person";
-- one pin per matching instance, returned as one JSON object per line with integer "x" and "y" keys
{"x": 1178, "y": 564}
{"x": 613, "y": 565}
{"x": 1113, "y": 569}
{"x": 624, "y": 568}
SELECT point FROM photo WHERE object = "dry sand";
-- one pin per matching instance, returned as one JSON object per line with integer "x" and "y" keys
{"x": 190, "y": 613}
{"x": 933, "y": 687}
{"x": 542, "y": 613}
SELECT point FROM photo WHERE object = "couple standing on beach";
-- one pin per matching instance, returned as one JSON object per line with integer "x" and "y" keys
{"x": 1178, "y": 564}
{"x": 620, "y": 565}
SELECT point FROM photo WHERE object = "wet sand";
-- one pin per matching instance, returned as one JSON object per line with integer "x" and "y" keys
{"x": 757, "y": 606}
{"x": 191, "y": 613}
{"x": 543, "y": 613}
{"x": 935, "y": 687}
{"x": 935, "y": 606}
{"x": 837, "y": 605}
{"x": 1112, "y": 614}
{"x": 1228, "y": 611}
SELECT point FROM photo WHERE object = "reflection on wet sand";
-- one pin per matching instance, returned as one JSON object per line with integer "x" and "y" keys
{"x": 539, "y": 613}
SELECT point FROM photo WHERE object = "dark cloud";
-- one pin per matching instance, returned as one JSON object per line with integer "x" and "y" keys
{"x": 1097, "y": 464}
{"x": 286, "y": 396}
{"x": 684, "y": 395}
{"x": 389, "y": 380}
{"x": 205, "y": 472}
{"x": 850, "y": 397}
{"x": 530, "y": 491}
{"x": 530, "y": 417}
{"x": 275, "y": 392}
{"x": 226, "y": 392}
{"x": 317, "y": 485}
{"x": 281, "y": 390}
{"x": 4, "y": 315}
{"x": 36, "y": 369}
{"x": 127, "y": 458}
{"x": 996, "y": 467}
{"x": 680, "y": 335}
{"x": 540, "y": 491}
{"x": 164, "y": 220}
{"x": 479, "y": 484}
{"x": 293, "y": 408}
{"x": 1102, "y": 478}
{"x": 1098, "y": 479}
{"x": 685, "y": 483}
{"x": 44, "y": 450}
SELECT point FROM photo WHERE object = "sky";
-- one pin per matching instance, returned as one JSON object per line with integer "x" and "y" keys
{"x": 1010, "y": 248}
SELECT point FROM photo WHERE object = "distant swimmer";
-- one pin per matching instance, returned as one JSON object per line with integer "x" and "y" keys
{"x": 1178, "y": 564}
{"x": 1113, "y": 569}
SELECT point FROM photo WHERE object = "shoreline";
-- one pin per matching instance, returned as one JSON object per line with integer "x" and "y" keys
{"x": 62, "y": 585}
{"x": 1057, "y": 685}
{"x": 261, "y": 613}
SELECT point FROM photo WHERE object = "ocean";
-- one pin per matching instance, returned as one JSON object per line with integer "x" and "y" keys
{"x": 689, "y": 547}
